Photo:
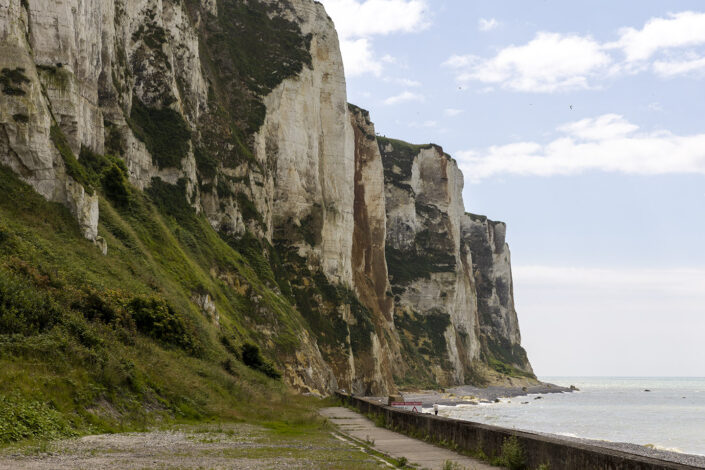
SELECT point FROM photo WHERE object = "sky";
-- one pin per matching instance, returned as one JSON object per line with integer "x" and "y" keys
{"x": 580, "y": 124}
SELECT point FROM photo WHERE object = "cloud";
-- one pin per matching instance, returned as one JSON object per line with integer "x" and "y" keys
{"x": 550, "y": 62}
{"x": 359, "y": 21}
{"x": 553, "y": 62}
{"x": 359, "y": 58}
{"x": 452, "y": 112}
{"x": 404, "y": 97}
{"x": 678, "y": 30}
{"x": 485, "y": 25}
{"x": 607, "y": 143}
{"x": 678, "y": 67}
{"x": 404, "y": 82}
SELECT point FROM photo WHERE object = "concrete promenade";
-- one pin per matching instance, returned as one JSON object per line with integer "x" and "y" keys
{"x": 398, "y": 445}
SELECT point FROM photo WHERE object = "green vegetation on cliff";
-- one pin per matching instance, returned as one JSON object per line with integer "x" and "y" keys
{"x": 94, "y": 343}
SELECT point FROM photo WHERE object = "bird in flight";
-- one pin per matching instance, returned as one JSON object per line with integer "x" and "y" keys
{"x": 571, "y": 107}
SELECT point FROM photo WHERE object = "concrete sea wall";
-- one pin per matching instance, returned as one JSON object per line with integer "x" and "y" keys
{"x": 556, "y": 453}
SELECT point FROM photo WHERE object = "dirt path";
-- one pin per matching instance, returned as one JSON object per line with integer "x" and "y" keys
{"x": 398, "y": 445}
{"x": 232, "y": 446}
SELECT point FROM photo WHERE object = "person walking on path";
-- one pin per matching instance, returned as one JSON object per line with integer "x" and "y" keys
{"x": 435, "y": 409}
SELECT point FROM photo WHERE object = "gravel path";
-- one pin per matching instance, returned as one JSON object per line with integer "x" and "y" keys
{"x": 236, "y": 446}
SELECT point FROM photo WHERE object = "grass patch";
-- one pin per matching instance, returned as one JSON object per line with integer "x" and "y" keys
{"x": 74, "y": 169}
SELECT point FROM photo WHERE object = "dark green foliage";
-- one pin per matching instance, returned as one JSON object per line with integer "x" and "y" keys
{"x": 21, "y": 118}
{"x": 73, "y": 167}
{"x": 501, "y": 354}
{"x": 252, "y": 358}
{"x": 399, "y": 161}
{"x": 247, "y": 209}
{"x": 12, "y": 81}
{"x": 163, "y": 131}
{"x": 157, "y": 319}
{"x": 107, "y": 172}
{"x": 407, "y": 266}
{"x": 171, "y": 200}
{"x": 22, "y": 310}
{"x": 151, "y": 34}
{"x": 115, "y": 185}
{"x": 244, "y": 70}
{"x": 512, "y": 454}
{"x": 54, "y": 76}
{"x": 223, "y": 188}
{"x": 254, "y": 250}
{"x": 205, "y": 162}
{"x": 22, "y": 419}
{"x": 114, "y": 142}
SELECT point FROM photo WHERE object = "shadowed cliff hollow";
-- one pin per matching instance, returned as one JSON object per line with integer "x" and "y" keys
{"x": 184, "y": 179}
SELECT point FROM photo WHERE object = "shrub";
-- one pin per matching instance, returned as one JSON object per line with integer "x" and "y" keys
{"x": 115, "y": 185}
{"x": 513, "y": 454}
{"x": 22, "y": 419}
{"x": 252, "y": 358}
{"x": 24, "y": 310}
{"x": 156, "y": 319}
{"x": 402, "y": 461}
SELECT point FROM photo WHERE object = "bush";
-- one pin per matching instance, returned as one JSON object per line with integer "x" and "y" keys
{"x": 21, "y": 419}
{"x": 24, "y": 310}
{"x": 252, "y": 358}
{"x": 156, "y": 319}
{"x": 513, "y": 454}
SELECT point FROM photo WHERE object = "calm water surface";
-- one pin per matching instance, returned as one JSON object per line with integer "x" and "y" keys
{"x": 671, "y": 416}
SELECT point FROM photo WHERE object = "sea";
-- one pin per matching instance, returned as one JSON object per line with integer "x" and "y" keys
{"x": 669, "y": 416}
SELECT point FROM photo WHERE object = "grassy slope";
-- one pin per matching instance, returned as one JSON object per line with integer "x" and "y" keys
{"x": 71, "y": 337}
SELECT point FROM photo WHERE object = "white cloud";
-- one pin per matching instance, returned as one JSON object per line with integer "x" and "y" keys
{"x": 607, "y": 143}
{"x": 666, "y": 68}
{"x": 404, "y": 82}
{"x": 359, "y": 58}
{"x": 452, "y": 112}
{"x": 550, "y": 62}
{"x": 678, "y": 30}
{"x": 485, "y": 25}
{"x": 358, "y": 21}
{"x": 554, "y": 62}
{"x": 404, "y": 97}
{"x": 608, "y": 126}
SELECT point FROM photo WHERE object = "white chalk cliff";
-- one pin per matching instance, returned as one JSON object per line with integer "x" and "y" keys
{"x": 394, "y": 284}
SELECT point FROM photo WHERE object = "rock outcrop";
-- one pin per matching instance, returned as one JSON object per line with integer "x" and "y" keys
{"x": 375, "y": 276}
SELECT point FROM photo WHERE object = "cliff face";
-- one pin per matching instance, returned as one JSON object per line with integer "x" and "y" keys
{"x": 369, "y": 272}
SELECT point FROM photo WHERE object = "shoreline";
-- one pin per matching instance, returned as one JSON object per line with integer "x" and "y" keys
{"x": 540, "y": 447}
{"x": 470, "y": 395}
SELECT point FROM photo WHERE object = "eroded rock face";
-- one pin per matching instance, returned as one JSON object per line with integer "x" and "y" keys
{"x": 306, "y": 132}
{"x": 280, "y": 157}
{"x": 450, "y": 272}
{"x": 429, "y": 265}
{"x": 26, "y": 143}
{"x": 499, "y": 325}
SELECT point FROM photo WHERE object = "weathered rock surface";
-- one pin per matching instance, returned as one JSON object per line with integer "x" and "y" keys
{"x": 242, "y": 104}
